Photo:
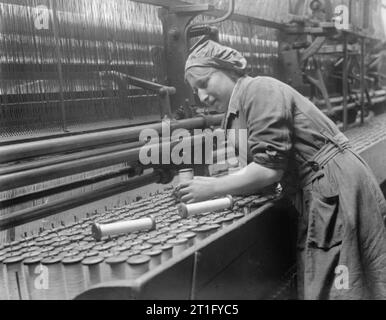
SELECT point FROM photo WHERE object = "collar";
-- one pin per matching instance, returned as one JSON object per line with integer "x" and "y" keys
{"x": 235, "y": 100}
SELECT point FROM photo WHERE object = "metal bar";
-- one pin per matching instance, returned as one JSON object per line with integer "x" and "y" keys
{"x": 54, "y": 16}
{"x": 110, "y": 125}
{"x": 63, "y": 188}
{"x": 345, "y": 81}
{"x": 163, "y": 3}
{"x": 66, "y": 144}
{"x": 218, "y": 13}
{"x": 190, "y": 9}
{"x": 65, "y": 158}
{"x": 40, "y": 212}
{"x": 374, "y": 94}
{"x": 339, "y": 109}
{"x": 246, "y": 19}
{"x": 30, "y": 177}
{"x": 363, "y": 83}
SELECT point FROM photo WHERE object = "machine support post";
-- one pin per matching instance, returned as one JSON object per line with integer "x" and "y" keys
{"x": 345, "y": 81}
{"x": 363, "y": 83}
{"x": 174, "y": 24}
{"x": 193, "y": 289}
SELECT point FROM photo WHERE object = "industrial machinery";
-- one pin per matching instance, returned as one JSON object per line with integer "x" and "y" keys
{"x": 80, "y": 80}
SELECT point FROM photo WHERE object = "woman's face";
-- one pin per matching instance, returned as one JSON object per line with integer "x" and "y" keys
{"x": 214, "y": 90}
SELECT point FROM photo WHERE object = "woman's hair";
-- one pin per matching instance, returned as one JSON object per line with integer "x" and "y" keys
{"x": 203, "y": 73}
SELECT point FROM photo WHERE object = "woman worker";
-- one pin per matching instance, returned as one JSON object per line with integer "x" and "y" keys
{"x": 340, "y": 205}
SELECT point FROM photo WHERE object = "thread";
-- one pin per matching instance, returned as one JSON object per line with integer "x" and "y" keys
{"x": 118, "y": 267}
{"x": 123, "y": 250}
{"x": 189, "y": 210}
{"x": 56, "y": 282}
{"x": 93, "y": 270}
{"x": 227, "y": 220}
{"x": 101, "y": 230}
{"x": 142, "y": 247}
{"x": 191, "y": 236}
{"x": 91, "y": 254}
{"x": 155, "y": 256}
{"x": 213, "y": 228}
{"x": 73, "y": 275}
{"x": 138, "y": 265}
{"x": 202, "y": 232}
{"x": 167, "y": 252}
{"x": 179, "y": 245}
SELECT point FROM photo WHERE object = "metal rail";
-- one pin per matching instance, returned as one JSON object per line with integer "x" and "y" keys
{"x": 66, "y": 144}
{"x": 63, "y": 169}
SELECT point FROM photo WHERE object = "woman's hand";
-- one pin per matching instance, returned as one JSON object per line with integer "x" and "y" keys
{"x": 197, "y": 190}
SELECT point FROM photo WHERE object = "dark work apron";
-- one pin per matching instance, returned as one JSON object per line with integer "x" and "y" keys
{"x": 341, "y": 232}
{"x": 341, "y": 245}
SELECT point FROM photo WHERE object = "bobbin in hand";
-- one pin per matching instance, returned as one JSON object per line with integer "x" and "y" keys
{"x": 197, "y": 190}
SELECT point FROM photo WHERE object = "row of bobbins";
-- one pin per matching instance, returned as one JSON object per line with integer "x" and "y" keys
{"x": 56, "y": 252}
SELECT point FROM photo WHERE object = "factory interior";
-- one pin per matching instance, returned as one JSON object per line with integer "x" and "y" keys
{"x": 83, "y": 218}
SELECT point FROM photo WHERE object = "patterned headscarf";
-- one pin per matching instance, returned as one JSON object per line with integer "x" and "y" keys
{"x": 213, "y": 54}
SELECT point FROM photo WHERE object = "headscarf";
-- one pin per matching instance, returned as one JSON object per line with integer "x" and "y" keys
{"x": 213, "y": 54}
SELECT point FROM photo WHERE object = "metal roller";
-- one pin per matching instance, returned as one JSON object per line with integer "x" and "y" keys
{"x": 101, "y": 230}
{"x": 188, "y": 210}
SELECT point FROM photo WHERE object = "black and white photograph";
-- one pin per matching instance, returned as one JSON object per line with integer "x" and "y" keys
{"x": 192, "y": 154}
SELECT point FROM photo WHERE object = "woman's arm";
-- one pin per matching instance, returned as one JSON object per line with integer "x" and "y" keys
{"x": 247, "y": 181}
